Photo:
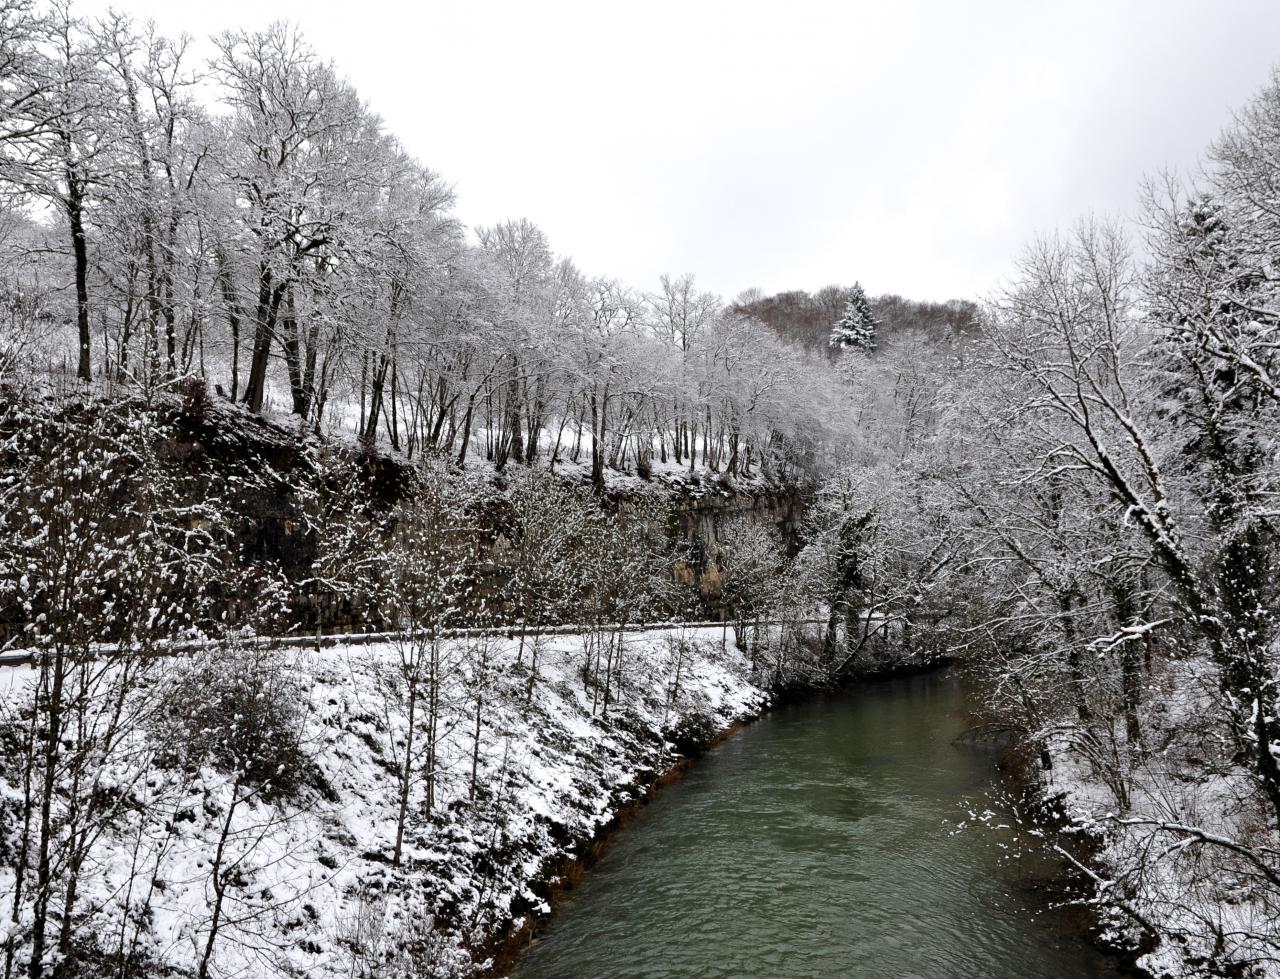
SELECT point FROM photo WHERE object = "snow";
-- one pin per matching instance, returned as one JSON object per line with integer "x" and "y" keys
{"x": 1161, "y": 856}
{"x": 315, "y": 891}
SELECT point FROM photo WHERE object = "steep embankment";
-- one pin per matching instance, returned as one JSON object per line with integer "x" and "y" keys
{"x": 1176, "y": 847}
{"x": 272, "y": 485}
{"x": 288, "y": 855}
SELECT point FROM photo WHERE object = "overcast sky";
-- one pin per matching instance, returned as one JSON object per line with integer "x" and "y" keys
{"x": 911, "y": 145}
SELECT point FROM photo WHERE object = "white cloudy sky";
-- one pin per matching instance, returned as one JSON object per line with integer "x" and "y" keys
{"x": 912, "y": 145}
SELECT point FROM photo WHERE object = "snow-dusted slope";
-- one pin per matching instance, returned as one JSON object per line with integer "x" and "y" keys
{"x": 1179, "y": 863}
{"x": 310, "y": 883}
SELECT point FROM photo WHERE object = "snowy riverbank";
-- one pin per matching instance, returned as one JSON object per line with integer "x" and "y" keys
{"x": 1180, "y": 839}
{"x": 523, "y": 771}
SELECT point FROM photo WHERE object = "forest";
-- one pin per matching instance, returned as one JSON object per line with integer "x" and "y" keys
{"x": 259, "y": 384}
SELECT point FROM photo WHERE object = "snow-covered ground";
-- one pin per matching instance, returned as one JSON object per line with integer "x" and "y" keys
{"x": 341, "y": 427}
{"x": 1167, "y": 857}
{"x": 311, "y": 887}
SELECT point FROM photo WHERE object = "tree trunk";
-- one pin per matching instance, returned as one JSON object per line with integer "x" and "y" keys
{"x": 270, "y": 295}
{"x": 80, "y": 253}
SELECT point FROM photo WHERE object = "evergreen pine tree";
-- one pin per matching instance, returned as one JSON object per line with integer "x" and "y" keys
{"x": 857, "y": 324}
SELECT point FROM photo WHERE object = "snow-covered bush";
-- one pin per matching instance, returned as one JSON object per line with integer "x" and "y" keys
{"x": 240, "y": 710}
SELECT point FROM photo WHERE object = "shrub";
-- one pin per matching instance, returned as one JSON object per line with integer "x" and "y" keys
{"x": 194, "y": 391}
{"x": 240, "y": 711}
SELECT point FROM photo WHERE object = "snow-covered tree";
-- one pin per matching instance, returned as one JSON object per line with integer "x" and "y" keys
{"x": 856, "y": 327}
{"x": 751, "y": 564}
{"x": 99, "y": 542}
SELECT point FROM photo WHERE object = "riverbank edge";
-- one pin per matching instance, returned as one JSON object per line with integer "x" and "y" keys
{"x": 1019, "y": 776}
{"x": 556, "y": 883}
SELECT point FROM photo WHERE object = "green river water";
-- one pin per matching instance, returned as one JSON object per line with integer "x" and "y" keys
{"x": 819, "y": 842}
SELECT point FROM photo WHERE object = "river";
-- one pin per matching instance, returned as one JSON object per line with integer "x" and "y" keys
{"x": 819, "y": 842}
